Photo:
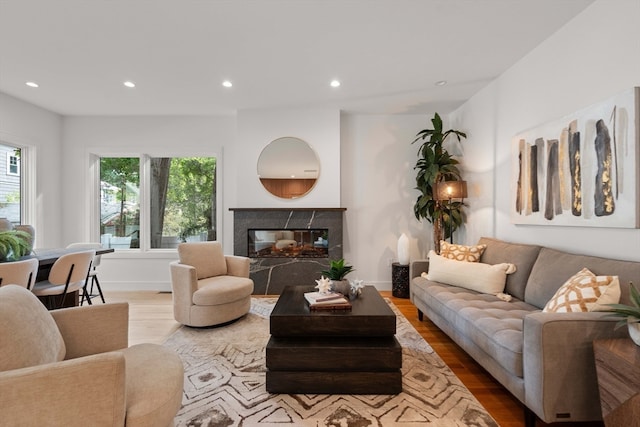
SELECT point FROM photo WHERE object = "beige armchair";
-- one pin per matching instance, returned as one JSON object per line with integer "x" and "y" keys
{"x": 72, "y": 367}
{"x": 209, "y": 288}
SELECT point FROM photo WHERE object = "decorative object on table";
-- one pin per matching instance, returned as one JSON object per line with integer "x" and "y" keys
{"x": 337, "y": 271}
{"x": 448, "y": 191}
{"x": 323, "y": 285}
{"x": 14, "y": 244}
{"x": 328, "y": 301}
{"x": 582, "y": 169}
{"x": 435, "y": 165}
{"x": 356, "y": 289}
{"x": 629, "y": 313}
{"x": 400, "y": 280}
{"x": 403, "y": 249}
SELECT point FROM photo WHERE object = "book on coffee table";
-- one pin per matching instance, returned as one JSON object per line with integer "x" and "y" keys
{"x": 332, "y": 301}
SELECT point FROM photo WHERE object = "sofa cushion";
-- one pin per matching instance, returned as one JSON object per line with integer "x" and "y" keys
{"x": 222, "y": 290}
{"x": 489, "y": 279}
{"x": 493, "y": 325}
{"x": 28, "y": 333}
{"x": 554, "y": 267}
{"x": 206, "y": 257}
{"x": 584, "y": 291}
{"x": 523, "y": 256}
{"x": 461, "y": 252}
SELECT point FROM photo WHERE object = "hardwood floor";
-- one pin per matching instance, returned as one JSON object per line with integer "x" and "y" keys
{"x": 151, "y": 320}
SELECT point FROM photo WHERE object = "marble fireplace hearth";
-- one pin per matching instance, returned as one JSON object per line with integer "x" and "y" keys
{"x": 271, "y": 275}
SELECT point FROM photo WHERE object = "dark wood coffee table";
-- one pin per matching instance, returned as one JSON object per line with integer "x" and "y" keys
{"x": 333, "y": 352}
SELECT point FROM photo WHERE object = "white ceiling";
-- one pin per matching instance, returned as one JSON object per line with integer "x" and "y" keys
{"x": 388, "y": 54}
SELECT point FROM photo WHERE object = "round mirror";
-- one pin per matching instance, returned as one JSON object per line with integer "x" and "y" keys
{"x": 288, "y": 168}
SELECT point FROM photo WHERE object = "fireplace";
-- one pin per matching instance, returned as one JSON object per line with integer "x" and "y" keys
{"x": 296, "y": 243}
{"x": 276, "y": 263}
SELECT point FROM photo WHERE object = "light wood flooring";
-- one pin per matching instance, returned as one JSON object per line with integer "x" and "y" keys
{"x": 151, "y": 320}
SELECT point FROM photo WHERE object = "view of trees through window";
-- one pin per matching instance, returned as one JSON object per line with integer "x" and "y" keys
{"x": 181, "y": 208}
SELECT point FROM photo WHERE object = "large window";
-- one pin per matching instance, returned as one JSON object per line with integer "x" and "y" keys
{"x": 10, "y": 184}
{"x": 181, "y": 203}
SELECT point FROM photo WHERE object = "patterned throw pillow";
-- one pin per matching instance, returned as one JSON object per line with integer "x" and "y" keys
{"x": 461, "y": 252}
{"x": 585, "y": 292}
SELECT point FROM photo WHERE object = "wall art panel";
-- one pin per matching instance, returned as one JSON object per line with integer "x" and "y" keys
{"x": 581, "y": 170}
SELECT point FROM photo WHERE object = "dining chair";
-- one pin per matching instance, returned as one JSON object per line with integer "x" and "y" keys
{"x": 21, "y": 273}
{"x": 87, "y": 292}
{"x": 68, "y": 274}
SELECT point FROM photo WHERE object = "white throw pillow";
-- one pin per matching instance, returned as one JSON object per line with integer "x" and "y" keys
{"x": 585, "y": 291}
{"x": 476, "y": 276}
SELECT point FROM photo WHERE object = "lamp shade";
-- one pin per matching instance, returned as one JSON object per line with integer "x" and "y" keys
{"x": 446, "y": 190}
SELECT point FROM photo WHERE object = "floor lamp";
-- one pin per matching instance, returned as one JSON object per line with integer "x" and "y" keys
{"x": 448, "y": 190}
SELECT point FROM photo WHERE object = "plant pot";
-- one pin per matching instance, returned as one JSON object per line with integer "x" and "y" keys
{"x": 634, "y": 331}
{"x": 341, "y": 286}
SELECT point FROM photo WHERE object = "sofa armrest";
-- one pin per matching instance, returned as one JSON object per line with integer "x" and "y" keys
{"x": 88, "y": 389}
{"x": 237, "y": 265}
{"x": 418, "y": 267}
{"x": 559, "y": 366}
{"x": 93, "y": 329}
{"x": 184, "y": 283}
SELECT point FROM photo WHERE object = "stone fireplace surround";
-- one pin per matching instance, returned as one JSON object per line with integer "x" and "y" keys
{"x": 271, "y": 275}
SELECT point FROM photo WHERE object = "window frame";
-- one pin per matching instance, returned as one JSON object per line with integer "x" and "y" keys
{"x": 9, "y": 157}
{"x": 145, "y": 194}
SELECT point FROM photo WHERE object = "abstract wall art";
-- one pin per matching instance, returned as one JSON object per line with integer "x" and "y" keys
{"x": 581, "y": 170}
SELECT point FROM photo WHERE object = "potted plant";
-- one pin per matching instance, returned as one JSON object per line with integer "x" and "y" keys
{"x": 338, "y": 269}
{"x": 435, "y": 165}
{"x": 14, "y": 244}
{"x": 629, "y": 313}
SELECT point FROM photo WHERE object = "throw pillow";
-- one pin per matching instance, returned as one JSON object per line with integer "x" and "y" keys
{"x": 476, "y": 276}
{"x": 585, "y": 291}
{"x": 461, "y": 252}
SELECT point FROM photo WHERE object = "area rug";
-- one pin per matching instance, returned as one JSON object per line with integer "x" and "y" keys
{"x": 225, "y": 384}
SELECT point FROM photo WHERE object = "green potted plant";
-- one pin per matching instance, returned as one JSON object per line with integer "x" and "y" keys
{"x": 435, "y": 165}
{"x": 338, "y": 269}
{"x": 14, "y": 244}
{"x": 629, "y": 313}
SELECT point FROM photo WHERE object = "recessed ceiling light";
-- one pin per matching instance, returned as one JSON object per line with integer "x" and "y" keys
{"x": 32, "y": 84}
{"x": 227, "y": 83}
{"x": 335, "y": 83}
{"x": 129, "y": 84}
{"x": 441, "y": 83}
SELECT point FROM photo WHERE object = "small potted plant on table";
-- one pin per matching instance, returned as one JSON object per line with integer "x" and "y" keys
{"x": 630, "y": 314}
{"x": 337, "y": 271}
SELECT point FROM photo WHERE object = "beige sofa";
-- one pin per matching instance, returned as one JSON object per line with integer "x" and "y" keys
{"x": 545, "y": 359}
{"x": 73, "y": 367}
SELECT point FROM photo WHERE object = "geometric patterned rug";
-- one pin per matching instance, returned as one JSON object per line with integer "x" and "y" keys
{"x": 225, "y": 384}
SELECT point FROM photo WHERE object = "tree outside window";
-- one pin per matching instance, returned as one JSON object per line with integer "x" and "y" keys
{"x": 182, "y": 202}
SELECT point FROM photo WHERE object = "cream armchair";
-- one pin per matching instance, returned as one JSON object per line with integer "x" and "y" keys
{"x": 209, "y": 288}
{"x": 72, "y": 367}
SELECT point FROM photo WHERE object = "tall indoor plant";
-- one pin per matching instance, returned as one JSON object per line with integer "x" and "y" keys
{"x": 435, "y": 165}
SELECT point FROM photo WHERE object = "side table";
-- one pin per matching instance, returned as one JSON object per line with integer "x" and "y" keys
{"x": 618, "y": 370}
{"x": 400, "y": 280}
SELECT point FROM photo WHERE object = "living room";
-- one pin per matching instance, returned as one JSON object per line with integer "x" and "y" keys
{"x": 366, "y": 157}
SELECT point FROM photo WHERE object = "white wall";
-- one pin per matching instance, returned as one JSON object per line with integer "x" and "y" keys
{"x": 173, "y": 135}
{"x": 377, "y": 190}
{"x": 25, "y": 125}
{"x": 593, "y": 57}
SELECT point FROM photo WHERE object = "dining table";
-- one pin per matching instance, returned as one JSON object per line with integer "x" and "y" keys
{"x": 47, "y": 257}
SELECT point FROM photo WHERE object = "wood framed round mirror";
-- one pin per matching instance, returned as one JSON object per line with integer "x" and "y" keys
{"x": 288, "y": 168}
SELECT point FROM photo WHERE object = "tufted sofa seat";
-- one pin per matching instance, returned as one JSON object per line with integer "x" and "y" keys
{"x": 544, "y": 359}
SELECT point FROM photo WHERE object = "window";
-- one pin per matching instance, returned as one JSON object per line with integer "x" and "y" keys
{"x": 181, "y": 201}
{"x": 13, "y": 163}
{"x": 10, "y": 184}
